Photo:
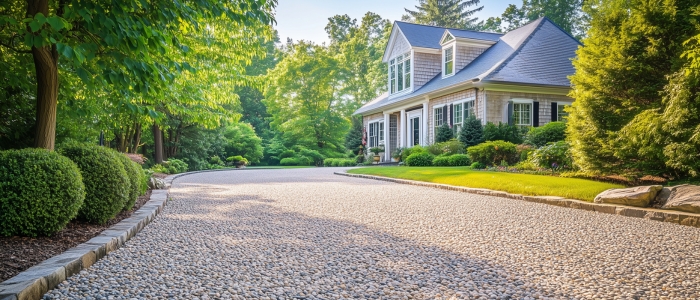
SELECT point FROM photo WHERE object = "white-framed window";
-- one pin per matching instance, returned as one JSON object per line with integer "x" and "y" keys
{"x": 448, "y": 66}
{"x": 461, "y": 111}
{"x": 438, "y": 119}
{"x": 400, "y": 73}
{"x": 562, "y": 115}
{"x": 375, "y": 134}
{"x": 522, "y": 114}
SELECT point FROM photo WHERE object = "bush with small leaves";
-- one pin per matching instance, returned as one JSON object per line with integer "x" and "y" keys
{"x": 459, "y": 160}
{"x": 40, "y": 192}
{"x": 555, "y": 156}
{"x": 106, "y": 182}
{"x": 478, "y": 166}
{"x": 493, "y": 153}
{"x": 550, "y": 133}
{"x": 176, "y": 166}
{"x": 134, "y": 172}
{"x": 408, "y": 151}
{"x": 441, "y": 161}
{"x": 420, "y": 159}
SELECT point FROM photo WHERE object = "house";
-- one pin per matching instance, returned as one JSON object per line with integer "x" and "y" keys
{"x": 442, "y": 76}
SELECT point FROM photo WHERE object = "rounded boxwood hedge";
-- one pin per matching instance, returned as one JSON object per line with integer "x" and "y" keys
{"x": 460, "y": 160}
{"x": 134, "y": 172}
{"x": 106, "y": 182}
{"x": 441, "y": 161}
{"x": 40, "y": 192}
{"x": 420, "y": 159}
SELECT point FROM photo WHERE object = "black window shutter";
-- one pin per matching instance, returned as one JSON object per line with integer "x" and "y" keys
{"x": 535, "y": 114}
{"x": 510, "y": 112}
{"x": 451, "y": 115}
{"x": 444, "y": 114}
{"x": 555, "y": 111}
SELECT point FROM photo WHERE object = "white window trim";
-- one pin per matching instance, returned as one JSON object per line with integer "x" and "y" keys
{"x": 418, "y": 113}
{"x": 524, "y": 101}
{"x": 561, "y": 104}
{"x": 464, "y": 101}
{"x": 380, "y": 141}
{"x": 405, "y": 90}
{"x": 452, "y": 44}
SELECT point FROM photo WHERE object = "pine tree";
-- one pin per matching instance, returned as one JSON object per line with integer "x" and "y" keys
{"x": 472, "y": 132}
{"x": 445, "y": 13}
{"x": 444, "y": 133}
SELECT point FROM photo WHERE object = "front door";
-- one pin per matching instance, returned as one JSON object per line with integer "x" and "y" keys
{"x": 414, "y": 131}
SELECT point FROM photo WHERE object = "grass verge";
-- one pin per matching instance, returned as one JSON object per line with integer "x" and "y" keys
{"x": 525, "y": 184}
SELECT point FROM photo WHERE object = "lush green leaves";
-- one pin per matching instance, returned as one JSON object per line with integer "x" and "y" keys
{"x": 445, "y": 13}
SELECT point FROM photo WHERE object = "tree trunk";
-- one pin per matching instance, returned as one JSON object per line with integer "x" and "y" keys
{"x": 46, "y": 65}
{"x": 137, "y": 139}
{"x": 158, "y": 141}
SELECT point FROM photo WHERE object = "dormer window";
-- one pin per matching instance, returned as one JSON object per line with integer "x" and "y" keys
{"x": 400, "y": 73}
{"x": 448, "y": 61}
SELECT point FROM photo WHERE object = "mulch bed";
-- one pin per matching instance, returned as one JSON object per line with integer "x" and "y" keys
{"x": 20, "y": 253}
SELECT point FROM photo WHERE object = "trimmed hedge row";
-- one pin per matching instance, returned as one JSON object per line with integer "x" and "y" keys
{"x": 339, "y": 162}
{"x": 40, "y": 192}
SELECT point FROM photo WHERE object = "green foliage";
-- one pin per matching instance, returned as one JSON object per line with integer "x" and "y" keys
{"x": 216, "y": 160}
{"x": 524, "y": 151}
{"x": 502, "y": 132}
{"x": 287, "y": 153}
{"x": 420, "y": 159}
{"x": 40, "y": 192}
{"x": 550, "y": 133}
{"x": 242, "y": 140}
{"x": 314, "y": 156}
{"x": 444, "y": 133}
{"x": 376, "y": 150}
{"x": 107, "y": 184}
{"x": 408, "y": 151}
{"x": 339, "y": 162}
{"x": 176, "y": 166}
{"x": 353, "y": 140}
{"x": 631, "y": 50}
{"x": 472, "y": 132}
{"x": 296, "y": 161}
{"x": 134, "y": 172}
{"x": 478, "y": 166}
{"x": 553, "y": 156}
{"x": 446, "y": 148}
{"x": 237, "y": 160}
{"x": 491, "y": 153}
{"x": 459, "y": 160}
{"x": 567, "y": 14}
{"x": 441, "y": 161}
{"x": 449, "y": 13}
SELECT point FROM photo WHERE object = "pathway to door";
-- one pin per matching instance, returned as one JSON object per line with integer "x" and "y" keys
{"x": 309, "y": 234}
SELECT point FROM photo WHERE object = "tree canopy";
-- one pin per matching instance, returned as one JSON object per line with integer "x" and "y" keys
{"x": 445, "y": 13}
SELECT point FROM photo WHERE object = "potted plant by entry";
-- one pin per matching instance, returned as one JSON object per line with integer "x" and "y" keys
{"x": 396, "y": 156}
{"x": 376, "y": 151}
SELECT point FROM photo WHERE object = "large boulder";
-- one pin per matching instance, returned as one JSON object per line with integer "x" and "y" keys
{"x": 636, "y": 196}
{"x": 681, "y": 197}
{"x": 156, "y": 183}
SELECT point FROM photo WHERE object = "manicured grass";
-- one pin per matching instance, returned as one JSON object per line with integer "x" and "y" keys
{"x": 279, "y": 167}
{"x": 525, "y": 184}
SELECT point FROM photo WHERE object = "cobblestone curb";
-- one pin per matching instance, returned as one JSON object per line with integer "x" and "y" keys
{"x": 670, "y": 216}
{"x": 38, "y": 280}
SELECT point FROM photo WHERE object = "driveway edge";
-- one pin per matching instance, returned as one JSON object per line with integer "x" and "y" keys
{"x": 670, "y": 216}
{"x": 36, "y": 281}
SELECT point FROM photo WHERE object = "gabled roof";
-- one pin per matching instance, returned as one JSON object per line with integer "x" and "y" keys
{"x": 538, "y": 53}
{"x": 426, "y": 36}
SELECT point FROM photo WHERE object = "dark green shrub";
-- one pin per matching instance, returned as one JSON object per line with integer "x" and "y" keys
{"x": 106, "y": 182}
{"x": 459, "y": 160}
{"x": 40, "y": 192}
{"x": 216, "y": 160}
{"x": 347, "y": 163}
{"x": 550, "y": 133}
{"x": 134, "y": 172}
{"x": 441, "y": 161}
{"x": 408, "y": 151}
{"x": 524, "y": 151}
{"x": 316, "y": 157}
{"x": 493, "y": 153}
{"x": 420, "y": 159}
{"x": 472, "y": 132}
{"x": 450, "y": 147}
{"x": 502, "y": 132}
{"x": 478, "y": 166}
{"x": 296, "y": 161}
{"x": 287, "y": 154}
{"x": 444, "y": 133}
{"x": 176, "y": 166}
{"x": 553, "y": 156}
{"x": 328, "y": 162}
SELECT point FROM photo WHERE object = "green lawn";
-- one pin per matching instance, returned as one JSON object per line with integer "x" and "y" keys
{"x": 279, "y": 167}
{"x": 525, "y": 184}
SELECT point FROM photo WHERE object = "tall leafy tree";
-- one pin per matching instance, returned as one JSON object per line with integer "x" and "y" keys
{"x": 445, "y": 13}
{"x": 631, "y": 49}
{"x": 568, "y": 14}
{"x": 127, "y": 44}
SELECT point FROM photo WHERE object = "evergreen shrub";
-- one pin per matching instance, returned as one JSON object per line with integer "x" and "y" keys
{"x": 494, "y": 153}
{"x": 459, "y": 160}
{"x": 420, "y": 159}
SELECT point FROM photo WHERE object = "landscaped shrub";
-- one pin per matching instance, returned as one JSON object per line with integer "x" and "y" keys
{"x": 328, "y": 162}
{"x": 287, "y": 154}
{"x": 408, "y": 151}
{"x": 216, "y": 160}
{"x": 478, "y": 166}
{"x": 176, "y": 166}
{"x": 40, "y": 192}
{"x": 441, "y": 161}
{"x": 106, "y": 182}
{"x": 550, "y": 133}
{"x": 237, "y": 160}
{"x": 296, "y": 161}
{"x": 450, "y": 147}
{"x": 502, "y": 132}
{"x": 134, "y": 172}
{"x": 524, "y": 151}
{"x": 459, "y": 160}
{"x": 444, "y": 133}
{"x": 553, "y": 156}
{"x": 493, "y": 153}
{"x": 316, "y": 157}
{"x": 420, "y": 159}
{"x": 472, "y": 132}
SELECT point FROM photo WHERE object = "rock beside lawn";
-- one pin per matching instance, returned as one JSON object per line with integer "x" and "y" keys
{"x": 636, "y": 196}
{"x": 682, "y": 197}
{"x": 156, "y": 183}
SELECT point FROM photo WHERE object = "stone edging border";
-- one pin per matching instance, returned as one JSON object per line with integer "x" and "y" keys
{"x": 36, "y": 281}
{"x": 670, "y": 216}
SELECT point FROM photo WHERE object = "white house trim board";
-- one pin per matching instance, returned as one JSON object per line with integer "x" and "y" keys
{"x": 426, "y": 50}
{"x": 387, "y": 132}
{"x": 454, "y": 59}
{"x": 395, "y": 34}
{"x": 447, "y": 37}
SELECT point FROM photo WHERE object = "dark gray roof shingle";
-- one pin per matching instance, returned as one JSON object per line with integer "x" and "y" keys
{"x": 538, "y": 53}
{"x": 426, "y": 36}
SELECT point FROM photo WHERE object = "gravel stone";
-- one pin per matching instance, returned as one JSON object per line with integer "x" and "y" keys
{"x": 309, "y": 234}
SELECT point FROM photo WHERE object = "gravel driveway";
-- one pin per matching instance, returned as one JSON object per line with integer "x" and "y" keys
{"x": 309, "y": 234}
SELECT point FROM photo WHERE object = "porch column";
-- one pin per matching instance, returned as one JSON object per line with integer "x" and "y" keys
{"x": 425, "y": 124}
{"x": 387, "y": 155}
{"x": 402, "y": 138}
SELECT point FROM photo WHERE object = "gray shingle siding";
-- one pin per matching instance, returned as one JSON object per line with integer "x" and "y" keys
{"x": 425, "y": 67}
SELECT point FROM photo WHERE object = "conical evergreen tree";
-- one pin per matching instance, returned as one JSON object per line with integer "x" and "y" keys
{"x": 444, "y": 13}
{"x": 472, "y": 132}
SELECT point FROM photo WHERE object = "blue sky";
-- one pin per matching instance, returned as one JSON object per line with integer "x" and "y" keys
{"x": 305, "y": 19}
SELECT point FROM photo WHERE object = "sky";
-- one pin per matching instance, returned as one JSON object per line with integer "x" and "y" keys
{"x": 306, "y": 19}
